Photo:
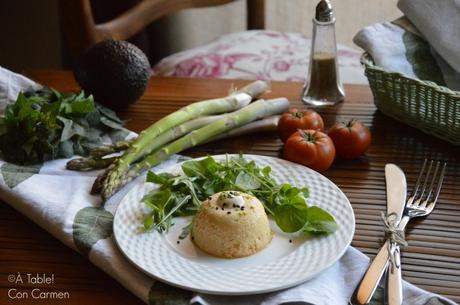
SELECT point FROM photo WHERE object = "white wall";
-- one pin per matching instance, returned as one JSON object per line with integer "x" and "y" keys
{"x": 351, "y": 15}
{"x": 198, "y": 26}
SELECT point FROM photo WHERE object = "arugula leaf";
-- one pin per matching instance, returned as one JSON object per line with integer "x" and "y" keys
{"x": 246, "y": 181}
{"x": 319, "y": 222}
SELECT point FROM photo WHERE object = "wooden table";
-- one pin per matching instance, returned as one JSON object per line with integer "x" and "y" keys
{"x": 431, "y": 261}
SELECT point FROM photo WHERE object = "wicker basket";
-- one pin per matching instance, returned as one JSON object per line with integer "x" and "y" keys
{"x": 422, "y": 104}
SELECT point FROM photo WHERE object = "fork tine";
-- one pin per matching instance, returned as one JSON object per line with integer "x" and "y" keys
{"x": 425, "y": 182}
{"x": 430, "y": 189}
{"x": 410, "y": 201}
{"x": 438, "y": 190}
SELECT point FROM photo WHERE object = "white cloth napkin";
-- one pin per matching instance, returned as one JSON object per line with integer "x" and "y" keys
{"x": 439, "y": 23}
{"x": 399, "y": 47}
{"x": 59, "y": 201}
{"x": 384, "y": 41}
{"x": 11, "y": 84}
{"x": 334, "y": 286}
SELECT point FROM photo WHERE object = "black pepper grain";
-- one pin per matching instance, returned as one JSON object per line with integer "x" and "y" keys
{"x": 178, "y": 242}
{"x": 290, "y": 241}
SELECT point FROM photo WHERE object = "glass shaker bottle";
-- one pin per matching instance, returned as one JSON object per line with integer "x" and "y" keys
{"x": 323, "y": 86}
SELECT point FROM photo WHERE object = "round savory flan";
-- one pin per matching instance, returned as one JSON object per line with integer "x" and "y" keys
{"x": 231, "y": 224}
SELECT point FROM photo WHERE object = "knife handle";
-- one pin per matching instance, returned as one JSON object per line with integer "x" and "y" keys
{"x": 394, "y": 280}
{"x": 366, "y": 288}
{"x": 363, "y": 294}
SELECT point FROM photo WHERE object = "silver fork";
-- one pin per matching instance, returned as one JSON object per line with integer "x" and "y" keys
{"x": 417, "y": 205}
{"x": 421, "y": 203}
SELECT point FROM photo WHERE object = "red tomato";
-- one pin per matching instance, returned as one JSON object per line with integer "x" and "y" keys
{"x": 295, "y": 119}
{"x": 351, "y": 139}
{"x": 311, "y": 148}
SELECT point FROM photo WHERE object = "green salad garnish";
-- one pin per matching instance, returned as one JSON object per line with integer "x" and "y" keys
{"x": 181, "y": 195}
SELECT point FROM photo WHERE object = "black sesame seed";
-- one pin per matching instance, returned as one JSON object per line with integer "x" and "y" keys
{"x": 229, "y": 212}
{"x": 242, "y": 208}
{"x": 217, "y": 208}
{"x": 222, "y": 209}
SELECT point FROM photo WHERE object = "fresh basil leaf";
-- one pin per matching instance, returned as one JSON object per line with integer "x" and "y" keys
{"x": 200, "y": 168}
{"x": 109, "y": 113}
{"x": 154, "y": 178}
{"x": 118, "y": 135}
{"x": 319, "y": 222}
{"x": 246, "y": 182}
{"x": 291, "y": 217}
{"x": 70, "y": 129}
{"x": 82, "y": 105}
{"x": 93, "y": 118}
{"x": 109, "y": 123}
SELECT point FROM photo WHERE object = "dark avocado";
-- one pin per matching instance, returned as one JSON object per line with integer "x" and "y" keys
{"x": 115, "y": 72}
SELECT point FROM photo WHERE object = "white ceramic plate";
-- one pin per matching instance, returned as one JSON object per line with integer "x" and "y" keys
{"x": 281, "y": 265}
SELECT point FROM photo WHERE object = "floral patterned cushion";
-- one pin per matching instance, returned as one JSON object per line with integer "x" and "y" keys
{"x": 258, "y": 54}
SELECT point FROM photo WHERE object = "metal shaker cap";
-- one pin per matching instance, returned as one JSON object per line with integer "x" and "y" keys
{"x": 324, "y": 12}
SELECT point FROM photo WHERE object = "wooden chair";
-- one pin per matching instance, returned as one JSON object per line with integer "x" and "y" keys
{"x": 261, "y": 54}
{"x": 82, "y": 32}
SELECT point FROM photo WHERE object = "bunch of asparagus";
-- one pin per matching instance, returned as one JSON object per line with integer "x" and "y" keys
{"x": 195, "y": 124}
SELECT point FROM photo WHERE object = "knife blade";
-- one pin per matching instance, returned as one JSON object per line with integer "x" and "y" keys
{"x": 396, "y": 188}
{"x": 396, "y": 202}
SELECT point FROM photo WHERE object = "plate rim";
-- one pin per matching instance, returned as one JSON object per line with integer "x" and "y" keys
{"x": 238, "y": 293}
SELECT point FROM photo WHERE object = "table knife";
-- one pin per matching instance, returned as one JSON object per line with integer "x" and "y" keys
{"x": 396, "y": 188}
{"x": 397, "y": 199}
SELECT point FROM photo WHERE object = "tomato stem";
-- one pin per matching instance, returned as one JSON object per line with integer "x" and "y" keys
{"x": 297, "y": 114}
{"x": 309, "y": 137}
{"x": 350, "y": 123}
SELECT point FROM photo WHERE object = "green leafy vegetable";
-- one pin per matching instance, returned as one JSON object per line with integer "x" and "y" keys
{"x": 319, "y": 222}
{"x": 291, "y": 217}
{"x": 180, "y": 195}
{"x": 47, "y": 124}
